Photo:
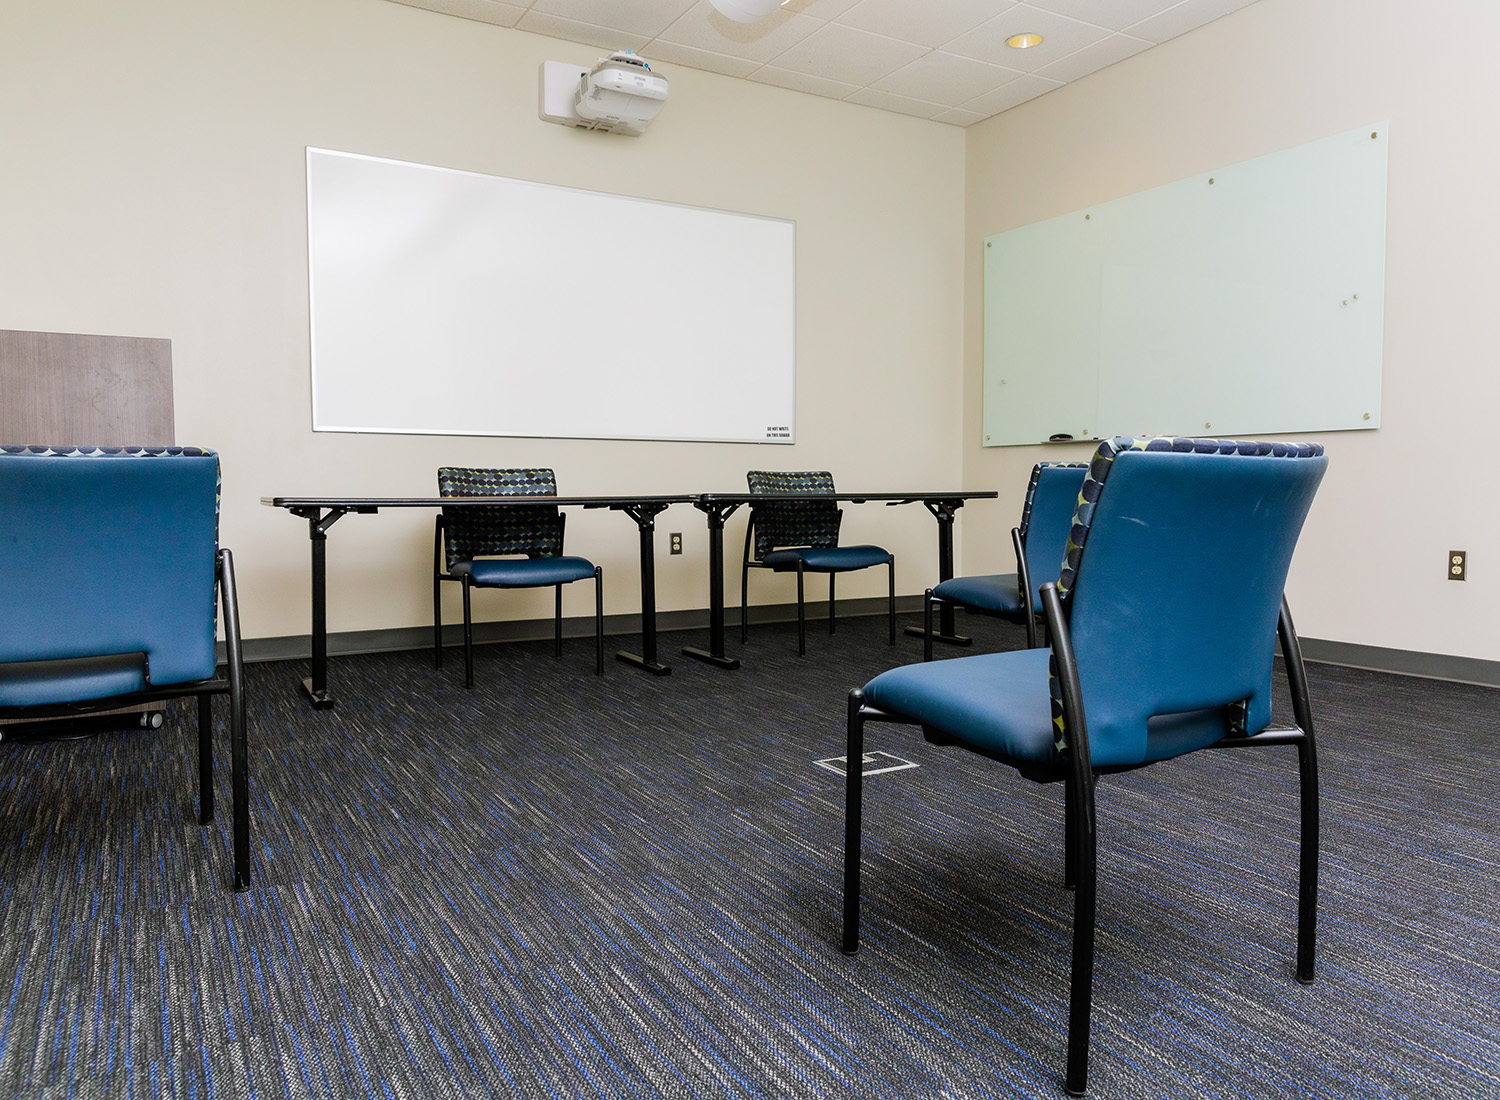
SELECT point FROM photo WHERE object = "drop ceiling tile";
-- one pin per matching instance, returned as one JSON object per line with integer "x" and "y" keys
{"x": 648, "y": 17}
{"x": 572, "y": 31}
{"x": 703, "y": 28}
{"x": 482, "y": 11}
{"x": 818, "y": 9}
{"x": 945, "y": 78}
{"x": 1090, "y": 59}
{"x": 1060, "y": 37}
{"x": 1017, "y": 91}
{"x": 1187, "y": 16}
{"x": 843, "y": 53}
{"x": 901, "y": 104}
{"x": 803, "y": 82}
{"x": 657, "y": 50}
{"x": 959, "y": 117}
{"x": 1114, "y": 14}
{"x": 926, "y": 23}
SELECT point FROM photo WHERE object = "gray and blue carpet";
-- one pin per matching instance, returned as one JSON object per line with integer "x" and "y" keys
{"x": 558, "y": 885}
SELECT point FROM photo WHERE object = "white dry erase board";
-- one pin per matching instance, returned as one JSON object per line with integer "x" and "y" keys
{"x": 1247, "y": 300}
{"x": 455, "y": 303}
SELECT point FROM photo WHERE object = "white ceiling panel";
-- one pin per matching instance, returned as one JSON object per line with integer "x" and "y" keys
{"x": 853, "y": 56}
{"x": 928, "y": 24}
{"x": 944, "y": 78}
{"x": 940, "y": 59}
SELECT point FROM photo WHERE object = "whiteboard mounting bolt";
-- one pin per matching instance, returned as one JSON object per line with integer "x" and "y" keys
{"x": 1367, "y": 416}
{"x": 1210, "y": 181}
{"x": 1206, "y": 424}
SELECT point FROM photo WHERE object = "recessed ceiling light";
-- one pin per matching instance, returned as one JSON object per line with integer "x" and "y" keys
{"x": 1023, "y": 41}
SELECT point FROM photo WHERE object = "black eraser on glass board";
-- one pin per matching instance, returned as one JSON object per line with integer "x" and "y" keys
{"x": 1059, "y": 437}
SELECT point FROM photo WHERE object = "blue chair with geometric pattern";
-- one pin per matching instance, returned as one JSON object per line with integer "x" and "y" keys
{"x": 802, "y": 536}
{"x": 1039, "y": 543}
{"x": 1163, "y": 626}
{"x": 109, "y": 568}
{"x": 505, "y": 546}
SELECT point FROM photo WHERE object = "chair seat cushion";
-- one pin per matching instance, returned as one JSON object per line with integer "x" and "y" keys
{"x": 827, "y": 559}
{"x": 524, "y": 572}
{"x": 72, "y": 680}
{"x": 998, "y": 593}
{"x": 996, "y": 704}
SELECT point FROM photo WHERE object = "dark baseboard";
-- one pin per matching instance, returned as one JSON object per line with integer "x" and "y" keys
{"x": 1432, "y": 666}
{"x": 291, "y": 647}
{"x": 1404, "y": 662}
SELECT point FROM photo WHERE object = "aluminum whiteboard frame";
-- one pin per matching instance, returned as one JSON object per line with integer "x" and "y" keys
{"x": 751, "y": 377}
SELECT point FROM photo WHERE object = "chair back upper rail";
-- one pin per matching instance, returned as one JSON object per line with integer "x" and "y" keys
{"x": 796, "y": 522}
{"x": 533, "y": 530}
{"x": 109, "y": 552}
{"x": 1173, "y": 582}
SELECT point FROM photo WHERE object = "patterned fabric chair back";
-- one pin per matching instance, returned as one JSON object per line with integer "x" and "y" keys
{"x": 1172, "y": 585}
{"x": 795, "y": 523}
{"x": 1051, "y": 498}
{"x": 535, "y": 531}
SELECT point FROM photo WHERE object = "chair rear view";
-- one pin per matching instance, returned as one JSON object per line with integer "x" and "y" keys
{"x": 536, "y": 532}
{"x": 1173, "y": 584}
{"x": 1046, "y": 519}
{"x": 107, "y": 553}
{"x": 109, "y": 567}
{"x": 795, "y": 522}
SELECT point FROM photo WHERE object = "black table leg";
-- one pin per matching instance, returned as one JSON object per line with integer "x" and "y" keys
{"x": 645, "y": 519}
{"x": 316, "y": 686}
{"x": 717, "y": 513}
{"x": 944, "y": 511}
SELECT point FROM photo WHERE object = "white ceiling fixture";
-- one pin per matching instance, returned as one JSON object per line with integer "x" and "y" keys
{"x": 746, "y": 11}
{"x": 945, "y": 61}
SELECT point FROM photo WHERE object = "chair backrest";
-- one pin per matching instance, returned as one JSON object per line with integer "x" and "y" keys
{"x": 1172, "y": 585}
{"x": 532, "y": 530}
{"x": 797, "y": 522}
{"x": 107, "y": 552}
{"x": 1051, "y": 497}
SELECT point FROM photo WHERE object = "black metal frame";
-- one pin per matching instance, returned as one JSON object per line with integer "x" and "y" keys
{"x": 1079, "y": 778}
{"x": 801, "y": 570}
{"x": 231, "y": 684}
{"x": 468, "y": 584}
{"x": 946, "y": 607}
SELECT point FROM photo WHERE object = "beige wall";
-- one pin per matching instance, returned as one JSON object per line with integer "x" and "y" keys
{"x": 1370, "y": 568}
{"x": 153, "y": 185}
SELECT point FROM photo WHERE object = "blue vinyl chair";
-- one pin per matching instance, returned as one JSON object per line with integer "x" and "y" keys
{"x": 1039, "y": 543}
{"x": 1163, "y": 627}
{"x": 802, "y": 536}
{"x": 505, "y": 546}
{"x": 108, "y": 574}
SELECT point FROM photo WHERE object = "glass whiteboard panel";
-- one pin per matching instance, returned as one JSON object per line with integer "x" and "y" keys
{"x": 455, "y": 303}
{"x": 1243, "y": 301}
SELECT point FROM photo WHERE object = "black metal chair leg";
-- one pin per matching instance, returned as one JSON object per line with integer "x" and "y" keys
{"x": 557, "y": 623}
{"x": 1080, "y": 1000}
{"x": 468, "y": 635}
{"x": 893, "y": 599}
{"x": 205, "y": 759}
{"x": 437, "y": 594}
{"x": 1070, "y": 848}
{"x": 853, "y": 796}
{"x": 801, "y": 616}
{"x": 831, "y": 577}
{"x": 239, "y": 748}
{"x": 927, "y": 625}
{"x": 1307, "y": 881}
{"x": 598, "y": 620}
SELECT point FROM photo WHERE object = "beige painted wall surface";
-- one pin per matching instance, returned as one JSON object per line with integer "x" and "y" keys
{"x": 1370, "y": 567}
{"x": 154, "y": 185}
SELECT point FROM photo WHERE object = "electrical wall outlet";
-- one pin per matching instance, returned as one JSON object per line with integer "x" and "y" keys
{"x": 676, "y": 542}
{"x": 1458, "y": 565}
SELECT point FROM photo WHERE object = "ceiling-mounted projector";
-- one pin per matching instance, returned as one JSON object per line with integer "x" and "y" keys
{"x": 745, "y": 11}
{"x": 618, "y": 95}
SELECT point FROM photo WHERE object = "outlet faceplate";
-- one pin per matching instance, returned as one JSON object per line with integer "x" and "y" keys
{"x": 676, "y": 542}
{"x": 1458, "y": 565}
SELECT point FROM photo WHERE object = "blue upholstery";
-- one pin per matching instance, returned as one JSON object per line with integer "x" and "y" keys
{"x": 995, "y": 593}
{"x": 827, "y": 559}
{"x": 139, "y": 528}
{"x": 525, "y": 572}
